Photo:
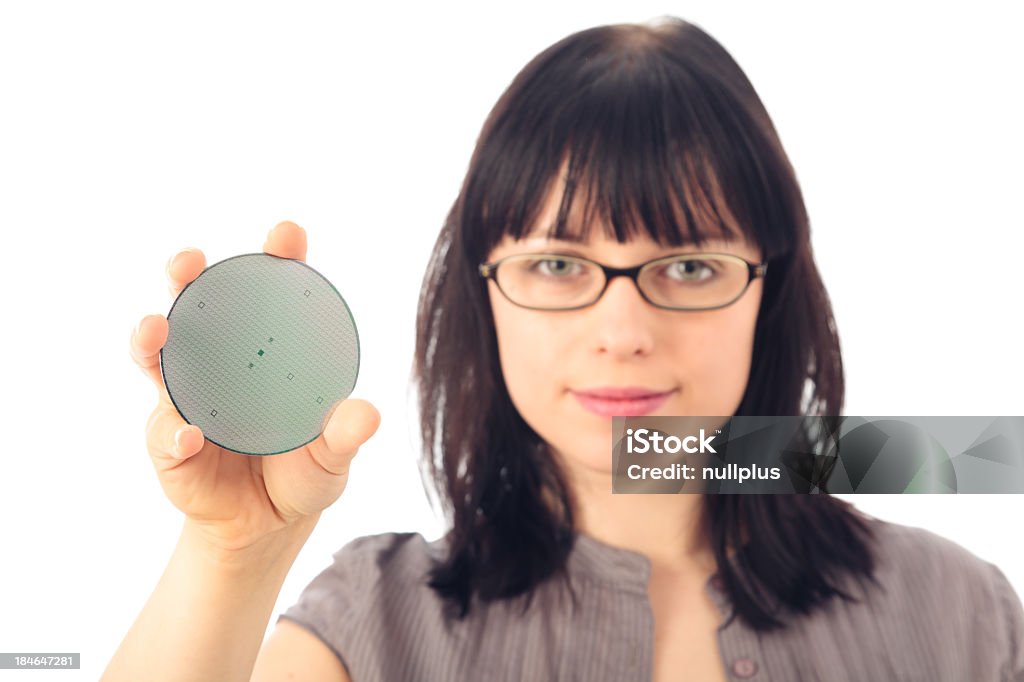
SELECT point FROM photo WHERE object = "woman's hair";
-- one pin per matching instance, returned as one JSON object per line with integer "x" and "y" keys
{"x": 662, "y": 134}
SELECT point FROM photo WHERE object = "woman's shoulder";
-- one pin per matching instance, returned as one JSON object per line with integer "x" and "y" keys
{"x": 372, "y": 606}
{"x": 919, "y": 560}
{"x": 935, "y": 598}
{"x": 389, "y": 556}
{"x": 368, "y": 565}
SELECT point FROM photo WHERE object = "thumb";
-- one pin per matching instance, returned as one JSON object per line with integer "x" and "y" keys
{"x": 349, "y": 425}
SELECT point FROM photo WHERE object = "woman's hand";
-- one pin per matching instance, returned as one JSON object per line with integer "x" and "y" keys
{"x": 239, "y": 499}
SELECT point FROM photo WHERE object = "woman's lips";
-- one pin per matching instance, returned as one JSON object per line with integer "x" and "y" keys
{"x": 622, "y": 407}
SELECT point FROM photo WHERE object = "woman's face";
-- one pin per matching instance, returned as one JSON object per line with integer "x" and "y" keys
{"x": 701, "y": 359}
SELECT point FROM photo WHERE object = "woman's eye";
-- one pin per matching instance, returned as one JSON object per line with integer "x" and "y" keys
{"x": 556, "y": 267}
{"x": 690, "y": 270}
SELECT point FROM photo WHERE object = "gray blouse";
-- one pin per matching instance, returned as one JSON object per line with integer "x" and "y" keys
{"x": 942, "y": 614}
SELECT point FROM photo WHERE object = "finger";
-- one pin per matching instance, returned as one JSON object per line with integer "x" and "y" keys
{"x": 148, "y": 337}
{"x": 286, "y": 240}
{"x": 170, "y": 439}
{"x": 349, "y": 426}
{"x": 182, "y": 268}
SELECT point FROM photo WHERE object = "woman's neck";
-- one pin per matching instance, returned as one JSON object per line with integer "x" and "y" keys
{"x": 669, "y": 529}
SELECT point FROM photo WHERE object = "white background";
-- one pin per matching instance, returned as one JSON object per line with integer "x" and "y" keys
{"x": 128, "y": 132}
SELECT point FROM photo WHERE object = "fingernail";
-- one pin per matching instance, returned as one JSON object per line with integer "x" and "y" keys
{"x": 177, "y": 440}
{"x": 138, "y": 325}
{"x": 170, "y": 261}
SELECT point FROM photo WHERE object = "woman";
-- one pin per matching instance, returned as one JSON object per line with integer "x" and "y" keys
{"x": 623, "y": 166}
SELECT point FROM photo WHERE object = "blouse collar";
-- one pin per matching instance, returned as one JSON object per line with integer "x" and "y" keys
{"x": 596, "y": 560}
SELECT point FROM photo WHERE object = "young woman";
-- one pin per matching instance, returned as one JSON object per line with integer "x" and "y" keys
{"x": 629, "y": 239}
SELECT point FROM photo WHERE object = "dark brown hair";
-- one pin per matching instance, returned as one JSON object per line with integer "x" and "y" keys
{"x": 664, "y": 135}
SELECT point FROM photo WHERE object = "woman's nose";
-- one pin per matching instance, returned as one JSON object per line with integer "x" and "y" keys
{"x": 624, "y": 321}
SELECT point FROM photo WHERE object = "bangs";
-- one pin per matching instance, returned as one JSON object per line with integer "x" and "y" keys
{"x": 637, "y": 139}
{"x": 672, "y": 198}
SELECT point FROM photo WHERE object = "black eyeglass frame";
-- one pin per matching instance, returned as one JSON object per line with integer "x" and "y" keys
{"x": 754, "y": 270}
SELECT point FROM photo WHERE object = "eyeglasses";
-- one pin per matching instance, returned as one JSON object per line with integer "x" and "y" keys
{"x": 692, "y": 281}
